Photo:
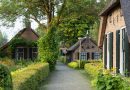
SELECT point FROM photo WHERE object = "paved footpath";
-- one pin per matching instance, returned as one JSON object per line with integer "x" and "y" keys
{"x": 64, "y": 78}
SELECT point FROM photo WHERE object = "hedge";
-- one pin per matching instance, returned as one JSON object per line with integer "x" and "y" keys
{"x": 92, "y": 68}
{"x": 5, "y": 78}
{"x": 73, "y": 65}
{"x": 29, "y": 78}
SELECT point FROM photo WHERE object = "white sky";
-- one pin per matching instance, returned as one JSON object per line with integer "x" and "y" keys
{"x": 11, "y": 31}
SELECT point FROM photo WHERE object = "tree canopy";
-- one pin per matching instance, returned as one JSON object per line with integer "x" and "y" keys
{"x": 3, "y": 39}
{"x": 72, "y": 17}
{"x": 38, "y": 10}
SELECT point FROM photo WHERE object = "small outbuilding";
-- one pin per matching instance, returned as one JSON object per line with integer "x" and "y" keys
{"x": 84, "y": 49}
{"x": 22, "y": 46}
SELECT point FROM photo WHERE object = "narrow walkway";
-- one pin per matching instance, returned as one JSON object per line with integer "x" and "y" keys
{"x": 64, "y": 78}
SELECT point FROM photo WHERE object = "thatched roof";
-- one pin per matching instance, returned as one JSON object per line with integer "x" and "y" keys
{"x": 109, "y": 7}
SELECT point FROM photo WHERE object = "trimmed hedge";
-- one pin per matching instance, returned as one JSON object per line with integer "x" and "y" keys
{"x": 73, "y": 65}
{"x": 29, "y": 78}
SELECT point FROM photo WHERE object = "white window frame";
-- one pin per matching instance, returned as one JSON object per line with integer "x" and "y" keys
{"x": 122, "y": 63}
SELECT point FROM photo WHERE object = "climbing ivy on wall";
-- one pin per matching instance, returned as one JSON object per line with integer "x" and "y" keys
{"x": 17, "y": 41}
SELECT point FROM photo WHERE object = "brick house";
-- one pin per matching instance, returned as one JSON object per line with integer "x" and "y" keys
{"x": 22, "y": 51}
{"x": 87, "y": 48}
{"x": 114, "y": 35}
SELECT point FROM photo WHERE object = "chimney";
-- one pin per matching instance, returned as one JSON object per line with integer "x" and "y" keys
{"x": 27, "y": 23}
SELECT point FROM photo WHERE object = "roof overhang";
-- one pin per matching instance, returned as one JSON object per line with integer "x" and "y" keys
{"x": 110, "y": 6}
{"x": 125, "y": 5}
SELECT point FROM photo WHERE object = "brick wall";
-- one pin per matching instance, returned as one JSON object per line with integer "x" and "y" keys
{"x": 115, "y": 21}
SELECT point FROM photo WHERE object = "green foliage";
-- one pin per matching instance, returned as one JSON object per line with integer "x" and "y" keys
{"x": 109, "y": 82}
{"x": 3, "y": 39}
{"x": 5, "y": 78}
{"x": 48, "y": 48}
{"x": 70, "y": 29}
{"x": 14, "y": 65}
{"x": 103, "y": 79}
{"x": 73, "y": 65}
{"x": 94, "y": 29}
{"x": 29, "y": 77}
{"x": 83, "y": 62}
{"x": 93, "y": 67}
{"x": 78, "y": 17}
{"x": 63, "y": 59}
{"x": 19, "y": 41}
{"x": 37, "y": 10}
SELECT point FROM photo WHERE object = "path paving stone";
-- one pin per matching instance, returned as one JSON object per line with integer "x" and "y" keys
{"x": 64, "y": 78}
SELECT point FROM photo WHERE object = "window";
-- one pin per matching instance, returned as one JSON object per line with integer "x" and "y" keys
{"x": 124, "y": 52}
{"x": 20, "y": 53}
{"x": 83, "y": 56}
{"x": 96, "y": 55}
{"x": 34, "y": 52}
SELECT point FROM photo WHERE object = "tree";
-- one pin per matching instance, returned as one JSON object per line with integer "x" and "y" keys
{"x": 38, "y": 10}
{"x": 78, "y": 17}
{"x": 48, "y": 48}
{"x": 70, "y": 29}
{"x": 3, "y": 39}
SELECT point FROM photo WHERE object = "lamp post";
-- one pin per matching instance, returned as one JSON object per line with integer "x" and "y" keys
{"x": 79, "y": 50}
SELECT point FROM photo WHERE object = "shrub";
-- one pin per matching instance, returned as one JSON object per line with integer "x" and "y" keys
{"x": 109, "y": 82}
{"x": 29, "y": 77}
{"x": 5, "y": 78}
{"x": 103, "y": 79}
{"x": 93, "y": 68}
{"x": 83, "y": 62}
{"x": 7, "y": 62}
{"x": 63, "y": 59}
{"x": 48, "y": 48}
{"x": 73, "y": 65}
{"x": 14, "y": 64}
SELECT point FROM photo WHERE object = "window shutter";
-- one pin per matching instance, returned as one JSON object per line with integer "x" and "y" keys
{"x": 111, "y": 49}
{"x": 105, "y": 51}
{"x": 127, "y": 53}
{"x": 117, "y": 51}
